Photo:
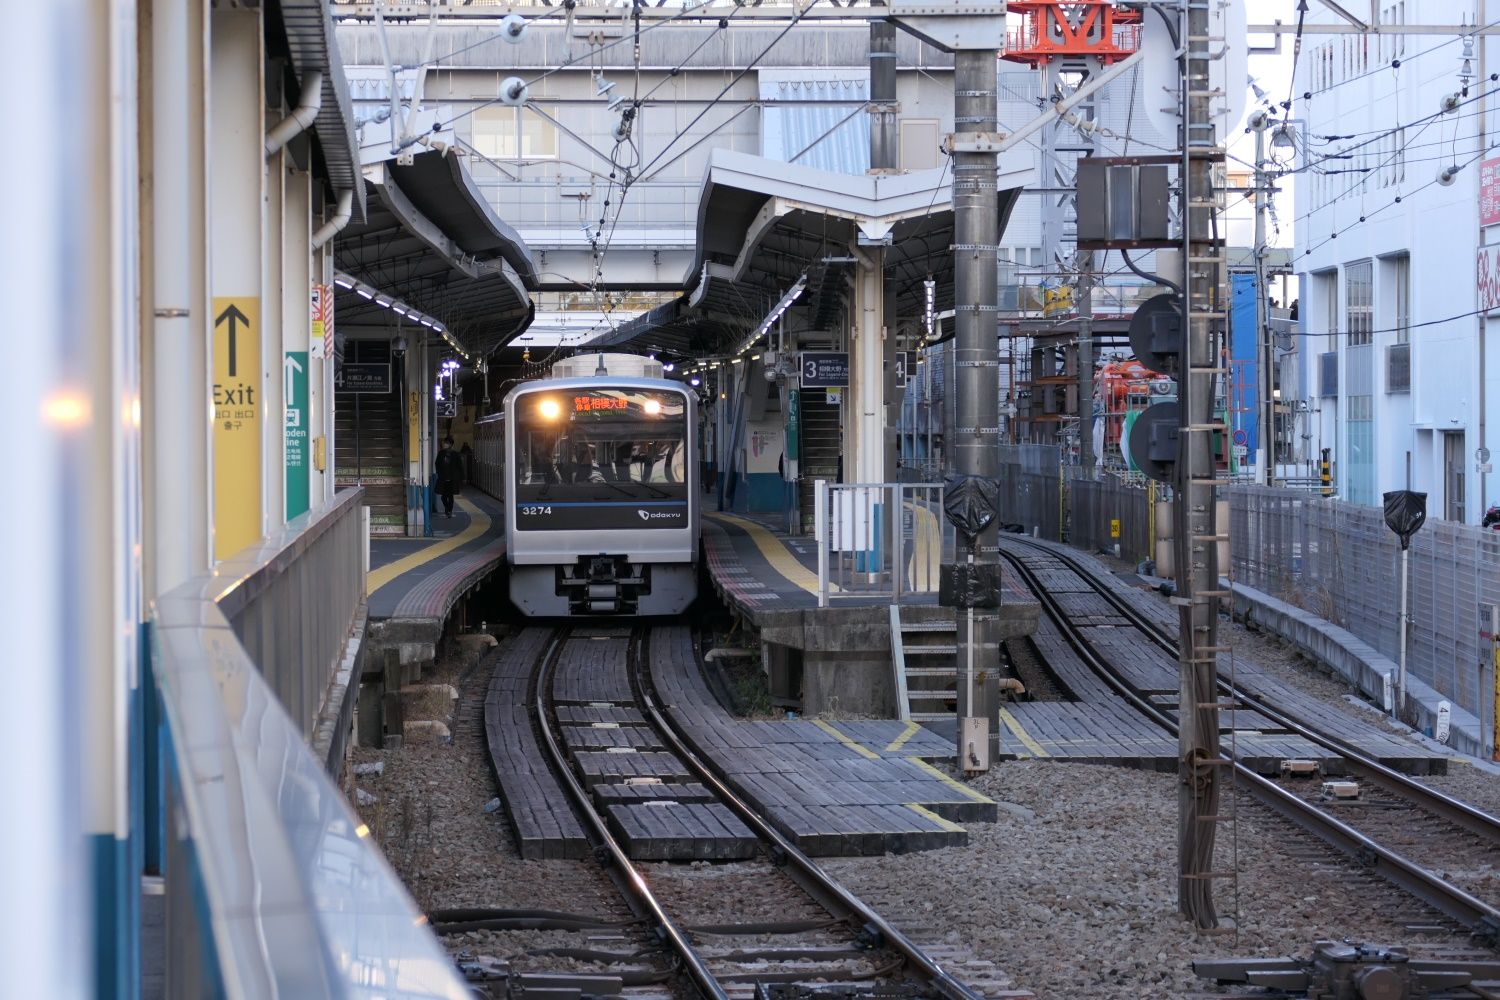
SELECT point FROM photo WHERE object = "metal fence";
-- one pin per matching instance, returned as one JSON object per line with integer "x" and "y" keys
{"x": 879, "y": 539}
{"x": 1031, "y": 488}
{"x": 1109, "y": 511}
{"x": 273, "y": 885}
{"x": 1339, "y": 561}
{"x": 294, "y": 598}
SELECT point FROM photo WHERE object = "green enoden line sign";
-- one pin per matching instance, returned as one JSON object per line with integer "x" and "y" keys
{"x": 294, "y": 378}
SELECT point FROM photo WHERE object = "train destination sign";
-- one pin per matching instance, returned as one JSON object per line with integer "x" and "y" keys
{"x": 824, "y": 369}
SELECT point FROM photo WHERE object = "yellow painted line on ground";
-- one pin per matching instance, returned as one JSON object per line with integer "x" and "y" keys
{"x": 479, "y": 523}
{"x": 925, "y": 813}
{"x": 781, "y": 560}
{"x": 911, "y": 730}
{"x": 1021, "y": 734}
{"x": 950, "y": 781}
{"x": 845, "y": 739}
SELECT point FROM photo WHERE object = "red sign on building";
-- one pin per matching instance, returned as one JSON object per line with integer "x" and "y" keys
{"x": 1489, "y": 192}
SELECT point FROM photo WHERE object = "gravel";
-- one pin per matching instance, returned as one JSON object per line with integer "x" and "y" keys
{"x": 1073, "y": 892}
{"x": 431, "y": 822}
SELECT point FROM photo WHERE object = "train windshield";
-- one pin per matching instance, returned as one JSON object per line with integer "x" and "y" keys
{"x": 601, "y": 445}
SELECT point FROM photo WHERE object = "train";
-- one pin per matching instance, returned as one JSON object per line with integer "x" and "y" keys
{"x": 596, "y": 469}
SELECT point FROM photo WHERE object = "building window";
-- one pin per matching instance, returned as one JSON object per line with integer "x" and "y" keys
{"x": 1397, "y": 278}
{"x": 1361, "y": 463}
{"x": 1358, "y": 307}
{"x": 513, "y": 134}
{"x": 1327, "y": 287}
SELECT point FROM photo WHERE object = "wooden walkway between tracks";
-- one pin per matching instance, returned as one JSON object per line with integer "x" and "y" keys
{"x": 646, "y": 795}
{"x": 1261, "y": 742}
{"x": 534, "y": 801}
{"x": 832, "y": 787}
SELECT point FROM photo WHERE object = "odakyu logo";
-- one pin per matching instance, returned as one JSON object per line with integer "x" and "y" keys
{"x": 648, "y": 515}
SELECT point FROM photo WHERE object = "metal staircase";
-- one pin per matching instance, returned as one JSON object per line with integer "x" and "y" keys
{"x": 370, "y": 452}
{"x": 924, "y": 654}
{"x": 820, "y": 449}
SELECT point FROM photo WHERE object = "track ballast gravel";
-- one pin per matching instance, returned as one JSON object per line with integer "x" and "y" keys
{"x": 1073, "y": 890}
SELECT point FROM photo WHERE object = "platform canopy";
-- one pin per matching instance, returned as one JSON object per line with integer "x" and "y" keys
{"x": 763, "y": 223}
{"x": 432, "y": 240}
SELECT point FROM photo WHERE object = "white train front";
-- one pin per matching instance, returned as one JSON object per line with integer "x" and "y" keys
{"x": 597, "y": 470}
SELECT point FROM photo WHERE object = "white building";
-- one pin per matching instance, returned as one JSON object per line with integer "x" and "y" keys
{"x": 1393, "y": 365}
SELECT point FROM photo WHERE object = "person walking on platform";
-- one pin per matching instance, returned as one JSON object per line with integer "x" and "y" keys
{"x": 449, "y": 470}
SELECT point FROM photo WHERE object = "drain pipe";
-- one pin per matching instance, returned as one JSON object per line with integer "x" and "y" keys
{"x": 297, "y": 122}
{"x": 341, "y": 216}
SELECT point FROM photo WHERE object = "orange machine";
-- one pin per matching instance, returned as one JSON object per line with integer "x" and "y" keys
{"x": 1126, "y": 385}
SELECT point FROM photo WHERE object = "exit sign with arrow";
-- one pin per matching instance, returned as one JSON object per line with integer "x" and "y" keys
{"x": 237, "y": 406}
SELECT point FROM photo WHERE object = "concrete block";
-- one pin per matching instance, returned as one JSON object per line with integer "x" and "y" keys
{"x": 1357, "y": 661}
{"x": 424, "y": 731}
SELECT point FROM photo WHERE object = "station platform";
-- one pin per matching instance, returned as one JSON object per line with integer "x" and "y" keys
{"x": 825, "y": 659}
{"x": 414, "y": 583}
{"x": 759, "y": 570}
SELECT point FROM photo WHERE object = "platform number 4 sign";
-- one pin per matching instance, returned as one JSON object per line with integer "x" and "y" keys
{"x": 905, "y": 361}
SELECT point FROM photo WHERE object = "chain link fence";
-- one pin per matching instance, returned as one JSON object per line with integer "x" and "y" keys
{"x": 1339, "y": 561}
{"x": 1335, "y": 559}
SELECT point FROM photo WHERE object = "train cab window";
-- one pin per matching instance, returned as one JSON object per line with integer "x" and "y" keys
{"x": 600, "y": 444}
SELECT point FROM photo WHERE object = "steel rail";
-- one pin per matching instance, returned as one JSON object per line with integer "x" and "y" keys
{"x": 1453, "y": 810}
{"x": 633, "y": 883}
{"x": 1479, "y": 917}
{"x": 809, "y": 876}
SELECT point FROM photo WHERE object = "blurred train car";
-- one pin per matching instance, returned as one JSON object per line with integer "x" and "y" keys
{"x": 596, "y": 469}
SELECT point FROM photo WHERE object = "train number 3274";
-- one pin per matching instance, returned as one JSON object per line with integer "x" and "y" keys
{"x": 532, "y": 509}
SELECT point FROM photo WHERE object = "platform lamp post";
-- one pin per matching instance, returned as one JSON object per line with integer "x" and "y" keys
{"x": 1282, "y": 138}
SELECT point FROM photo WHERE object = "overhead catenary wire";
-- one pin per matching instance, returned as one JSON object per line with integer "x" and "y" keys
{"x": 1395, "y": 63}
{"x": 796, "y": 20}
{"x": 1391, "y": 204}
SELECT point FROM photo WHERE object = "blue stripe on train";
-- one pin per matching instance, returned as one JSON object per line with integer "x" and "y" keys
{"x": 602, "y": 503}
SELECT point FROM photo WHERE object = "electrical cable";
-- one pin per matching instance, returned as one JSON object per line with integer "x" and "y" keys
{"x": 1309, "y": 334}
{"x": 1396, "y": 62}
{"x": 796, "y": 20}
{"x": 592, "y": 52}
{"x": 1398, "y": 199}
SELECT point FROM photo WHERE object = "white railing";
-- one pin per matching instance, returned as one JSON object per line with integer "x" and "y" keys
{"x": 879, "y": 539}
{"x": 274, "y": 886}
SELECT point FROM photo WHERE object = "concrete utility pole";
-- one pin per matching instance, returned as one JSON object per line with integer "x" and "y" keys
{"x": 1265, "y": 449}
{"x": 1195, "y": 521}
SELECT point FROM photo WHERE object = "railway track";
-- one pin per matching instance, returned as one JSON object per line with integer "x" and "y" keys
{"x": 771, "y": 922}
{"x": 1380, "y": 833}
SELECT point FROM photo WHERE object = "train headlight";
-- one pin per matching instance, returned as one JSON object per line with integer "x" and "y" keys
{"x": 550, "y": 409}
{"x": 653, "y": 407}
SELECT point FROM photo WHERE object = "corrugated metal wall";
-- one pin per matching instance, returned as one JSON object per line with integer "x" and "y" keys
{"x": 831, "y": 130}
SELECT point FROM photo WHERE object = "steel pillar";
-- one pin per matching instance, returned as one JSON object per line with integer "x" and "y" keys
{"x": 69, "y": 556}
{"x": 884, "y": 149}
{"x": 177, "y": 353}
{"x": 864, "y": 419}
{"x": 238, "y": 239}
{"x": 1086, "y": 456}
{"x": 1194, "y": 510}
